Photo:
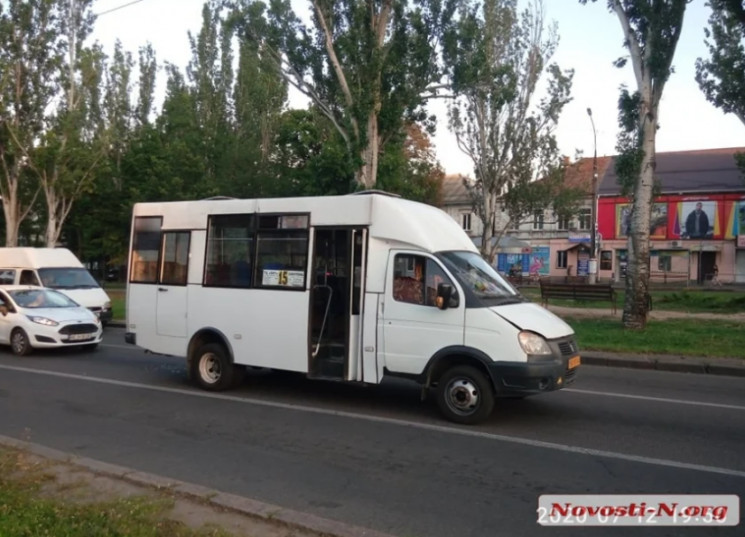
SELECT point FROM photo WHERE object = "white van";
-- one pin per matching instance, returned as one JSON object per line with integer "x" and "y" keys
{"x": 350, "y": 288}
{"x": 59, "y": 269}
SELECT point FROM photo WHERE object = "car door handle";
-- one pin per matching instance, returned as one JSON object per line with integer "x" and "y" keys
{"x": 162, "y": 289}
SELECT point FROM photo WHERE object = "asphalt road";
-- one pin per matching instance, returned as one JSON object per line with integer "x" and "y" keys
{"x": 378, "y": 457}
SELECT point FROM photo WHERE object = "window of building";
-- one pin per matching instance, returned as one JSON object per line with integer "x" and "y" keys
{"x": 466, "y": 219}
{"x": 175, "y": 257}
{"x": 664, "y": 262}
{"x": 538, "y": 220}
{"x": 561, "y": 259}
{"x": 564, "y": 222}
{"x": 584, "y": 218}
{"x": 230, "y": 250}
{"x": 606, "y": 260}
{"x": 145, "y": 249}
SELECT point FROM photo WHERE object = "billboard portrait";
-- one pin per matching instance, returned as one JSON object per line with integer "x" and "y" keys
{"x": 657, "y": 222}
{"x": 698, "y": 219}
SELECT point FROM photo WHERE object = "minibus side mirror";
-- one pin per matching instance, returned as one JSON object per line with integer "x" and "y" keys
{"x": 447, "y": 297}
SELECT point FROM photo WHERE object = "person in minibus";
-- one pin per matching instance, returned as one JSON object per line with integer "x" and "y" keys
{"x": 409, "y": 289}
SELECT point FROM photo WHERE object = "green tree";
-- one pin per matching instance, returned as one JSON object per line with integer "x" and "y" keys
{"x": 497, "y": 57}
{"x": 210, "y": 82}
{"x": 365, "y": 64}
{"x": 722, "y": 76}
{"x": 651, "y": 30}
{"x": 309, "y": 156}
{"x": 29, "y": 62}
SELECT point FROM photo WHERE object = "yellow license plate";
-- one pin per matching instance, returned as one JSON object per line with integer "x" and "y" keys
{"x": 573, "y": 362}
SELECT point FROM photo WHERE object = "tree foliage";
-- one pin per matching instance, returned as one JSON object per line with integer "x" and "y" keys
{"x": 722, "y": 75}
{"x": 651, "y": 30}
{"x": 497, "y": 57}
{"x": 365, "y": 64}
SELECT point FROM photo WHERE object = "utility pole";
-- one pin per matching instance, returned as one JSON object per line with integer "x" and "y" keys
{"x": 593, "y": 269}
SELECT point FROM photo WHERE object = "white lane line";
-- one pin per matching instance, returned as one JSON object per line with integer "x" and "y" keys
{"x": 129, "y": 347}
{"x": 730, "y": 472}
{"x": 656, "y": 399}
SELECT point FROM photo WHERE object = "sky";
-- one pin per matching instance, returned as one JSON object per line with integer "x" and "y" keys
{"x": 590, "y": 39}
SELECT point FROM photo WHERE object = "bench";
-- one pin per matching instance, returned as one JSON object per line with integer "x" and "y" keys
{"x": 578, "y": 291}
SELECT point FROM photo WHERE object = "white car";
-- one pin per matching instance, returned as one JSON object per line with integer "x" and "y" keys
{"x": 37, "y": 318}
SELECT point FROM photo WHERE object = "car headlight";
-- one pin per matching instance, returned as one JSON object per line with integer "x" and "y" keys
{"x": 532, "y": 343}
{"x": 42, "y": 320}
{"x": 107, "y": 305}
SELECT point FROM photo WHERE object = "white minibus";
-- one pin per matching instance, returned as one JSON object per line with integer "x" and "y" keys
{"x": 350, "y": 288}
{"x": 56, "y": 268}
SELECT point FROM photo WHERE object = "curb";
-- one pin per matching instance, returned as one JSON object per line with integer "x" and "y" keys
{"x": 734, "y": 367}
{"x": 265, "y": 512}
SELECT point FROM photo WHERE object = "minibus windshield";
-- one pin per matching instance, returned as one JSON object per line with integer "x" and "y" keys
{"x": 475, "y": 274}
{"x": 67, "y": 278}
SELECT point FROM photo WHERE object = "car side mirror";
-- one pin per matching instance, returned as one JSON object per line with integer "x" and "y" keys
{"x": 3, "y": 309}
{"x": 447, "y": 297}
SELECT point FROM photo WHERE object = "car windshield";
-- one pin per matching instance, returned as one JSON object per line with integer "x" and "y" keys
{"x": 67, "y": 278}
{"x": 475, "y": 274}
{"x": 41, "y": 298}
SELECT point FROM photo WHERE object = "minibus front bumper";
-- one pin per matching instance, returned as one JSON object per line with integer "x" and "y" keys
{"x": 521, "y": 379}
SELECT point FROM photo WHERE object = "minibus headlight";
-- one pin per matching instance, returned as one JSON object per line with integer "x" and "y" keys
{"x": 532, "y": 343}
{"x": 42, "y": 320}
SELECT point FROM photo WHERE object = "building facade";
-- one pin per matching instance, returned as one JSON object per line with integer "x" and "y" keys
{"x": 697, "y": 227}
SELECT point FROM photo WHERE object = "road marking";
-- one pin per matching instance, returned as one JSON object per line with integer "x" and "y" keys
{"x": 113, "y": 345}
{"x": 566, "y": 448}
{"x": 656, "y": 399}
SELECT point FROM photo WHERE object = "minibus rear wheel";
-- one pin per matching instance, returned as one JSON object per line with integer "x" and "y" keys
{"x": 212, "y": 368}
{"x": 465, "y": 395}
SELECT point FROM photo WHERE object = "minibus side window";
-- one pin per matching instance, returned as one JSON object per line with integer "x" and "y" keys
{"x": 145, "y": 248}
{"x": 415, "y": 279}
{"x": 230, "y": 249}
{"x": 282, "y": 258}
{"x": 175, "y": 257}
{"x": 7, "y": 277}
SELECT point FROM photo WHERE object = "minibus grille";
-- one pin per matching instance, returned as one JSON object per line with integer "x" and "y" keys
{"x": 78, "y": 329}
{"x": 568, "y": 348}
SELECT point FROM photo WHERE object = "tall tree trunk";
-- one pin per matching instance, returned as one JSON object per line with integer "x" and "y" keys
{"x": 636, "y": 304}
{"x": 51, "y": 236}
{"x": 368, "y": 172}
{"x": 12, "y": 221}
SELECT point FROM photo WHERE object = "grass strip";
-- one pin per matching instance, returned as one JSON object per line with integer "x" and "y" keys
{"x": 31, "y": 506}
{"x": 685, "y": 337}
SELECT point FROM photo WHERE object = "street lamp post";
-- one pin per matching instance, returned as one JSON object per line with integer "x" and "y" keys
{"x": 594, "y": 208}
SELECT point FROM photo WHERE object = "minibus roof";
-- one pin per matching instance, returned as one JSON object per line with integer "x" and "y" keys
{"x": 388, "y": 218}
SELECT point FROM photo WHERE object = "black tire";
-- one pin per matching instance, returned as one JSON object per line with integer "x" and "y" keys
{"x": 465, "y": 395}
{"x": 212, "y": 369}
{"x": 19, "y": 343}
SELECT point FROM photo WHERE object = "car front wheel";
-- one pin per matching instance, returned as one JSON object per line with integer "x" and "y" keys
{"x": 19, "y": 343}
{"x": 465, "y": 395}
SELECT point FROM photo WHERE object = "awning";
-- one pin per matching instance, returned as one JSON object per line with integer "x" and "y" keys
{"x": 581, "y": 245}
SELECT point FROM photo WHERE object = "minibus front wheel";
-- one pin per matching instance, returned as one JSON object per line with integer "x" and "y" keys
{"x": 212, "y": 368}
{"x": 465, "y": 395}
